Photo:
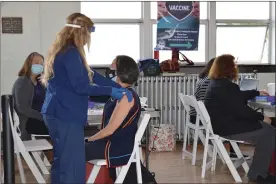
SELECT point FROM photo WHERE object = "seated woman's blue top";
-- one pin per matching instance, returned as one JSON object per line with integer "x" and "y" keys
{"x": 119, "y": 145}
{"x": 39, "y": 96}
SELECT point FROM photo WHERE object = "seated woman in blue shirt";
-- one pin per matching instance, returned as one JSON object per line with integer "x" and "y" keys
{"x": 115, "y": 141}
{"x": 70, "y": 81}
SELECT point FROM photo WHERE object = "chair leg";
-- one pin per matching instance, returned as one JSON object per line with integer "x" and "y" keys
{"x": 40, "y": 163}
{"x": 141, "y": 153}
{"x": 20, "y": 167}
{"x": 205, "y": 154}
{"x": 195, "y": 147}
{"x": 214, "y": 158}
{"x": 228, "y": 161}
{"x": 138, "y": 167}
{"x": 30, "y": 162}
{"x": 219, "y": 153}
{"x": 185, "y": 137}
{"x": 93, "y": 175}
{"x": 240, "y": 155}
{"x": 123, "y": 172}
{"x": 202, "y": 139}
{"x": 45, "y": 160}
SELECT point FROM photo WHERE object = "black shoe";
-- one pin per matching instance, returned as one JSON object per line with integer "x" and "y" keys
{"x": 268, "y": 180}
{"x": 233, "y": 156}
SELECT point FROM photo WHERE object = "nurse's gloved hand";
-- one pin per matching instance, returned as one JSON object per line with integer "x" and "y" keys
{"x": 118, "y": 93}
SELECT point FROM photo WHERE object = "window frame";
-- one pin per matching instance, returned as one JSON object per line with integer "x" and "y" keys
{"x": 246, "y": 23}
{"x": 266, "y": 25}
{"x": 211, "y": 24}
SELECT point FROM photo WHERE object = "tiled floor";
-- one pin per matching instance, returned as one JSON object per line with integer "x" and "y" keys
{"x": 170, "y": 168}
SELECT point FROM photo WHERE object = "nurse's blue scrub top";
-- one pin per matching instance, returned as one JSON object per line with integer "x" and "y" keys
{"x": 119, "y": 145}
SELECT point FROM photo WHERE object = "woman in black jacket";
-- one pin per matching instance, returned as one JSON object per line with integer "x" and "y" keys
{"x": 233, "y": 119}
{"x": 199, "y": 93}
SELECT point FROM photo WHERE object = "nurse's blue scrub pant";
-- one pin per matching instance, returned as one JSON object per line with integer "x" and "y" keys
{"x": 69, "y": 151}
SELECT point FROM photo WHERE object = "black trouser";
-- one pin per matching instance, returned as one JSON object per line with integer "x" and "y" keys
{"x": 264, "y": 141}
{"x": 193, "y": 120}
{"x": 95, "y": 150}
{"x": 34, "y": 126}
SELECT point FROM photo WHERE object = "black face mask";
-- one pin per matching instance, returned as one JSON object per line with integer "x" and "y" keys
{"x": 109, "y": 73}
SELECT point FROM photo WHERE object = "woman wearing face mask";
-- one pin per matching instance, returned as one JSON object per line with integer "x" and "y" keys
{"x": 70, "y": 81}
{"x": 28, "y": 94}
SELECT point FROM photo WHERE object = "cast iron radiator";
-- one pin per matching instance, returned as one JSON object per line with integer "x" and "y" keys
{"x": 162, "y": 93}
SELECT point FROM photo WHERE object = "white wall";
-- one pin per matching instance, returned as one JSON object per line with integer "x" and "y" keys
{"x": 41, "y": 22}
{"x": 264, "y": 79}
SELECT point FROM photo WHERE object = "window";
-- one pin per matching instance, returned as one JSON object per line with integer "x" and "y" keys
{"x": 195, "y": 56}
{"x": 202, "y": 7}
{"x": 110, "y": 40}
{"x": 247, "y": 43}
{"x": 112, "y": 10}
{"x": 241, "y": 29}
{"x": 242, "y": 10}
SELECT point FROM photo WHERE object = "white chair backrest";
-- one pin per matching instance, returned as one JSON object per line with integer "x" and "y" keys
{"x": 16, "y": 123}
{"x": 16, "y": 136}
{"x": 188, "y": 101}
{"x": 142, "y": 128}
{"x": 204, "y": 116}
{"x": 144, "y": 100}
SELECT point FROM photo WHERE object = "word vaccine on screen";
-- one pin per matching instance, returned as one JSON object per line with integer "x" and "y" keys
{"x": 179, "y": 8}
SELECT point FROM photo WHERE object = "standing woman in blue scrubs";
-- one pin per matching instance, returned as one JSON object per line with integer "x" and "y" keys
{"x": 69, "y": 82}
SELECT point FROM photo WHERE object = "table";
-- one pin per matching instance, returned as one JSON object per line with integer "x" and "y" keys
{"x": 262, "y": 106}
{"x": 154, "y": 113}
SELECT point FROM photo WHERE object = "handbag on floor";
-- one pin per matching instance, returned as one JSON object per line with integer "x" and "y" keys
{"x": 147, "y": 176}
{"x": 162, "y": 138}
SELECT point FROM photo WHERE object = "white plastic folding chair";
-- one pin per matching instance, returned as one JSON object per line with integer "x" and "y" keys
{"x": 27, "y": 147}
{"x": 143, "y": 101}
{"x": 134, "y": 158}
{"x": 219, "y": 147}
{"x": 188, "y": 102}
{"x": 43, "y": 166}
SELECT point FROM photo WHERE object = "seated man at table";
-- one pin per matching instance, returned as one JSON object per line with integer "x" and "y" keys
{"x": 115, "y": 141}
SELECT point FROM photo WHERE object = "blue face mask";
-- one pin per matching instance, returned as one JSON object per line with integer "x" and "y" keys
{"x": 37, "y": 69}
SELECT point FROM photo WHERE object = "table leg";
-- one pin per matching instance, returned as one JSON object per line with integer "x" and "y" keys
{"x": 262, "y": 110}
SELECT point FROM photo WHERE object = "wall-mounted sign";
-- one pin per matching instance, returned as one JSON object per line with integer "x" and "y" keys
{"x": 12, "y": 25}
{"x": 177, "y": 25}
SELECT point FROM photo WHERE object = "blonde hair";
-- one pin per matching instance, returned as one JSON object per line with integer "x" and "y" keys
{"x": 70, "y": 36}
